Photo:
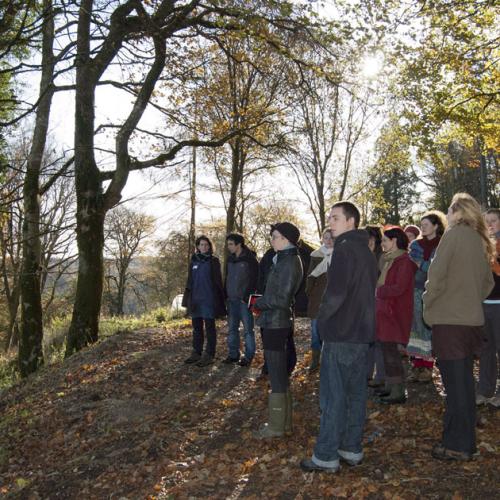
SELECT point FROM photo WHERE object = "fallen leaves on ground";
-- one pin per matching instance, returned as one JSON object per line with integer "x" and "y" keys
{"x": 128, "y": 419}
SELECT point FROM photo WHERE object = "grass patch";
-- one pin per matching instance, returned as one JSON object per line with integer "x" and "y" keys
{"x": 54, "y": 339}
{"x": 152, "y": 319}
{"x": 9, "y": 374}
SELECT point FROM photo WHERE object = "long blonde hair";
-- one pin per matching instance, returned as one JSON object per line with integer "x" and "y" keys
{"x": 468, "y": 212}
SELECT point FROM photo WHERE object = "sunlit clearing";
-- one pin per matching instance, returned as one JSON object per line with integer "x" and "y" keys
{"x": 372, "y": 65}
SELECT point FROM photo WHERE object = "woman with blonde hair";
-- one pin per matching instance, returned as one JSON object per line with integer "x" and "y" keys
{"x": 459, "y": 279}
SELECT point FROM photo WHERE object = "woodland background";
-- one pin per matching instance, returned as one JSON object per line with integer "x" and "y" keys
{"x": 241, "y": 113}
{"x": 188, "y": 117}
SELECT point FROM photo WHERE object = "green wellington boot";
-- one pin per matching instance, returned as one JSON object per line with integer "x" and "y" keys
{"x": 277, "y": 415}
{"x": 289, "y": 413}
{"x": 396, "y": 396}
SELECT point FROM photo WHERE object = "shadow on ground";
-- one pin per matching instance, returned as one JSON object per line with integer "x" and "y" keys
{"x": 128, "y": 419}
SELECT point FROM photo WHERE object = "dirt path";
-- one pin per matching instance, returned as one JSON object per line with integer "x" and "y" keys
{"x": 127, "y": 419}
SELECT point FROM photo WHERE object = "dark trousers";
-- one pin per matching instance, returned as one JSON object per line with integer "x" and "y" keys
{"x": 198, "y": 335}
{"x": 490, "y": 354}
{"x": 375, "y": 362}
{"x": 459, "y": 422}
{"x": 393, "y": 363}
{"x": 276, "y": 342}
{"x": 291, "y": 354}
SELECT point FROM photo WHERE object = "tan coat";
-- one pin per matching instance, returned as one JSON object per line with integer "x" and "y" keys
{"x": 459, "y": 279}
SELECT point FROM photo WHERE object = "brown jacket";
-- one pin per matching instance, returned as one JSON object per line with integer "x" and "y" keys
{"x": 459, "y": 280}
{"x": 315, "y": 286}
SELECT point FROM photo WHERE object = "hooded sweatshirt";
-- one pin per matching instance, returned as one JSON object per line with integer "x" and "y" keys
{"x": 242, "y": 274}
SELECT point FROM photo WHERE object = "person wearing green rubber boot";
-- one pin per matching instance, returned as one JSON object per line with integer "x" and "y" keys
{"x": 275, "y": 317}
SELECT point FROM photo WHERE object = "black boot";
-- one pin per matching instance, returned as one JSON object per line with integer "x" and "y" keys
{"x": 205, "y": 360}
{"x": 194, "y": 358}
{"x": 396, "y": 396}
{"x": 382, "y": 391}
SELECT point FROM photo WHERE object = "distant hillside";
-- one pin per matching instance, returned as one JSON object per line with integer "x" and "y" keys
{"x": 146, "y": 289}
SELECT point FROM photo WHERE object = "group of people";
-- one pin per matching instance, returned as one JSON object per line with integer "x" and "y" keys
{"x": 377, "y": 296}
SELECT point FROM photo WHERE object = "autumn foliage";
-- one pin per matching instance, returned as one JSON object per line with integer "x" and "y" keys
{"x": 127, "y": 418}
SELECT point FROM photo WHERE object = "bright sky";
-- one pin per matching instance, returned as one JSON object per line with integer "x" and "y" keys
{"x": 152, "y": 195}
{"x": 150, "y": 191}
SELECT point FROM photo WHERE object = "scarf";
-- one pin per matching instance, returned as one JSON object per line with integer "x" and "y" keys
{"x": 202, "y": 257}
{"x": 386, "y": 262}
{"x": 322, "y": 267}
{"x": 275, "y": 258}
{"x": 429, "y": 246}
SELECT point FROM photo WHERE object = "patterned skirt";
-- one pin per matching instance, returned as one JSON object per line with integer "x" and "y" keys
{"x": 420, "y": 344}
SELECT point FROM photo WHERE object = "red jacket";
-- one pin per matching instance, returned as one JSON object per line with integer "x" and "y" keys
{"x": 395, "y": 302}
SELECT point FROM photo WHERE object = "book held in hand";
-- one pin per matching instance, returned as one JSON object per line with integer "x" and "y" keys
{"x": 251, "y": 303}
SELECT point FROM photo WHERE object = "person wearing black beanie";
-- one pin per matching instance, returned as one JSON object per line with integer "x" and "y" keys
{"x": 275, "y": 317}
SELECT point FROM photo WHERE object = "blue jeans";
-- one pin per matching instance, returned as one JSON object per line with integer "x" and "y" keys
{"x": 315, "y": 338}
{"x": 237, "y": 311}
{"x": 343, "y": 393}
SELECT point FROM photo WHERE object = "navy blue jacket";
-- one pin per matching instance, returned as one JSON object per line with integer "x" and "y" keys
{"x": 218, "y": 289}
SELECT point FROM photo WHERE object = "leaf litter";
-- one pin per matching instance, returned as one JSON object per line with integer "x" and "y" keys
{"x": 128, "y": 419}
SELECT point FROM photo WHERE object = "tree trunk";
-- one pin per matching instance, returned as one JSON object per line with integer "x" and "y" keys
{"x": 89, "y": 200}
{"x": 11, "y": 287}
{"x": 13, "y": 328}
{"x": 235, "y": 183}
{"x": 13, "y": 340}
{"x": 90, "y": 238}
{"x": 192, "y": 223}
{"x": 30, "y": 345}
{"x": 321, "y": 210}
{"x": 397, "y": 218}
{"x": 122, "y": 282}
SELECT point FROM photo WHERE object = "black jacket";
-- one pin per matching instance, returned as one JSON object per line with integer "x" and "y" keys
{"x": 242, "y": 274}
{"x": 301, "y": 299}
{"x": 220, "y": 306}
{"x": 283, "y": 282}
{"x": 265, "y": 265}
{"x": 347, "y": 310}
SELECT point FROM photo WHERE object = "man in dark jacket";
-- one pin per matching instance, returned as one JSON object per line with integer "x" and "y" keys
{"x": 241, "y": 281}
{"x": 346, "y": 322}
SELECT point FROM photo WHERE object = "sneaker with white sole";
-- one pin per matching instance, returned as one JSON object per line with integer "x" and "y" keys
{"x": 494, "y": 401}
{"x": 310, "y": 465}
{"x": 350, "y": 458}
{"x": 481, "y": 400}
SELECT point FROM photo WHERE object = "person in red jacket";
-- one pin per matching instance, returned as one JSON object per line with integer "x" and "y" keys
{"x": 394, "y": 309}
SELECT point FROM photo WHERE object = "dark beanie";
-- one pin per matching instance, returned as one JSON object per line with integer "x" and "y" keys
{"x": 288, "y": 230}
{"x": 412, "y": 229}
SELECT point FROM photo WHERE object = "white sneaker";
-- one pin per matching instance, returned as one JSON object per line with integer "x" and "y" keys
{"x": 495, "y": 401}
{"x": 350, "y": 457}
{"x": 481, "y": 400}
